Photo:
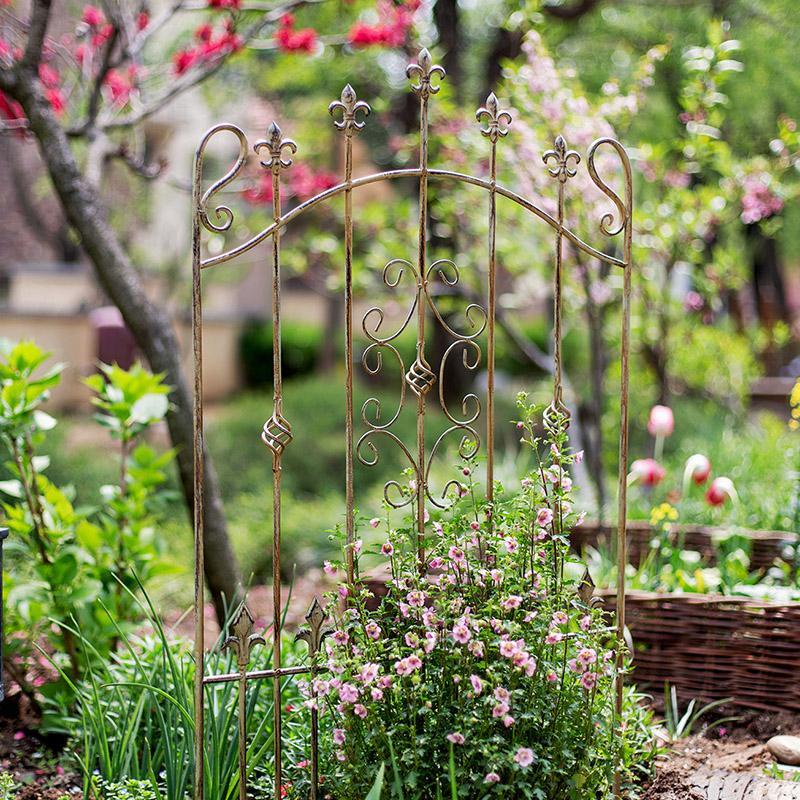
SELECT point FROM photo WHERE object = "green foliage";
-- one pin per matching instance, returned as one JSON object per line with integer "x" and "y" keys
{"x": 132, "y": 726}
{"x": 69, "y": 563}
{"x": 7, "y": 786}
{"x": 128, "y": 789}
{"x": 301, "y": 344}
{"x": 680, "y": 724}
{"x": 494, "y": 670}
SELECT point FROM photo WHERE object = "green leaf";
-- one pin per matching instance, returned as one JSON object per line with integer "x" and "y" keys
{"x": 377, "y": 786}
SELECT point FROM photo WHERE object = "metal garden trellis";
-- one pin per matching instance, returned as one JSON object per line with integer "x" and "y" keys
{"x": 276, "y": 155}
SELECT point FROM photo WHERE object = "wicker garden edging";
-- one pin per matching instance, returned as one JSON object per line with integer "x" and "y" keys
{"x": 766, "y": 546}
{"x": 713, "y": 647}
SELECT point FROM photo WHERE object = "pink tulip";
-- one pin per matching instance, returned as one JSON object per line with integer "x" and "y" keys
{"x": 698, "y": 468}
{"x": 646, "y": 471}
{"x": 721, "y": 489}
{"x": 661, "y": 422}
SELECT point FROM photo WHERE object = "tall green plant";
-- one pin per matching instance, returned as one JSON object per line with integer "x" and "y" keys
{"x": 134, "y": 717}
{"x": 69, "y": 562}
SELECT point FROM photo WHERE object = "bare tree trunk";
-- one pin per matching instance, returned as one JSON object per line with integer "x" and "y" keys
{"x": 448, "y": 25}
{"x": 150, "y": 324}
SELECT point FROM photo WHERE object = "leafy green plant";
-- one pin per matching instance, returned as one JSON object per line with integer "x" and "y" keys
{"x": 488, "y": 664}
{"x": 7, "y": 786}
{"x": 68, "y": 563}
{"x": 128, "y": 789}
{"x": 679, "y": 723}
{"x": 134, "y": 718}
{"x": 775, "y": 772}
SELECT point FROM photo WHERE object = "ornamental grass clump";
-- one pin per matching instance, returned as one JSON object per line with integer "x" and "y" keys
{"x": 489, "y": 671}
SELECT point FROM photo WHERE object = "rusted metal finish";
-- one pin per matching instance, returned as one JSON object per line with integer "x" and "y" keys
{"x": 417, "y": 278}
{"x": 497, "y": 122}
{"x": 349, "y": 124}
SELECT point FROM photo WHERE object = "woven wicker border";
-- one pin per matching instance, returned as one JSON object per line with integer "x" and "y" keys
{"x": 766, "y": 545}
{"x": 715, "y": 647}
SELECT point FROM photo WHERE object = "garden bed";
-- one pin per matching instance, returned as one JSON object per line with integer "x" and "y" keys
{"x": 715, "y": 647}
{"x": 765, "y": 546}
{"x": 705, "y": 765}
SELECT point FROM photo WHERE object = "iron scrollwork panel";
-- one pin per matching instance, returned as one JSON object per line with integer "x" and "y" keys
{"x": 415, "y": 278}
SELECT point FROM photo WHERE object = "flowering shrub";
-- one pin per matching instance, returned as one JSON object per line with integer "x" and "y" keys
{"x": 489, "y": 669}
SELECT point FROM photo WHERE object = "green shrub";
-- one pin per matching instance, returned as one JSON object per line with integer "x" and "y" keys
{"x": 132, "y": 728}
{"x": 496, "y": 678}
{"x": 68, "y": 563}
{"x": 301, "y": 345}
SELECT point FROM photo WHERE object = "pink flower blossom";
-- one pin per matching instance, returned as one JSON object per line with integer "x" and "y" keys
{"x": 387, "y": 548}
{"x": 721, "y": 489}
{"x": 544, "y": 516}
{"x": 511, "y": 602}
{"x": 508, "y": 720}
{"x": 339, "y": 736}
{"x": 491, "y": 777}
{"x": 589, "y": 680}
{"x": 524, "y": 757}
{"x": 416, "y": 598}
{"x": 330, "y": 569}
{"x": 646, "y": 471}
{"x": 461, "y": 632}
{"x": 554, "y": 637}
{"x": 508, "y": 649}
{"x": 348, "y": 693}
{"x": 586, "y": 622}
{"x": 456, "y": 554}
{"x": 360, "y": 710}
{"x": 477, "y": 684}
{"x": 374, "y": 522}
{"x": 376, "y": 693}
{"x": 455, "y": 738}
{"x": 341, "y": 637}
{"x": 476, "y": 648}
{"x": 373, "y": 630}
{"x": 430, "y": 641}
{"x": 511, "y": 546}
{"x": 698, "y": 468}
{"x": 661, "y": 421}
{"x": 369, "y": 672}
{"x": 560, "y": 618}
{"x": 500, "y": 710}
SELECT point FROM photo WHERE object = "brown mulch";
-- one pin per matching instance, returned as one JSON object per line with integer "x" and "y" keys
{"x": 32, "y": 760}
{"x": 742, "y": 749}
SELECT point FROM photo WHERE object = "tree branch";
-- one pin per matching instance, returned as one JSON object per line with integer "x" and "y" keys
{"x": 37, "y": 28}
{"x": 570, "y": 12}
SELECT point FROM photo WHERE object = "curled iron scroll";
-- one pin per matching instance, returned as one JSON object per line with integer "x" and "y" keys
{"x": 623, "y": 208}
{"x": 475, "y": 314}
{"x": 222, "y": 212}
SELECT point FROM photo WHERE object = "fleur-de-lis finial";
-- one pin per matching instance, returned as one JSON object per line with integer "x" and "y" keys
{"x": 314, "y": 632}
{"x": 350, "y": 107}
{"x": 497, "y": 121}
{"x": 563, "y": 169}
{"x": 242, "y": 638}
{"x": 275, "y": 144}
{"x": 424, "y": 70}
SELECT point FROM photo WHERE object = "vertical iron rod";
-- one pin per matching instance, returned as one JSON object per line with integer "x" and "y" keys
{"x": 198, "y": 444}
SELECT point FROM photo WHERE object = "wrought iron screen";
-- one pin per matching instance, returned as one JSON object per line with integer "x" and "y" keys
{"x": 276, "y": 154}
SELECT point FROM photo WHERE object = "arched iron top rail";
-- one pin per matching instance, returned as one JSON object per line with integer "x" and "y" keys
{"x": 610, "y": 224}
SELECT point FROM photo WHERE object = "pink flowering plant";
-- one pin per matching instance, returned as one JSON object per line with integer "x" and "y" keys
{"x": 486, "y": 670}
